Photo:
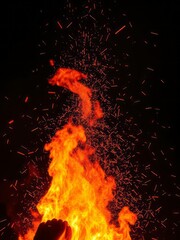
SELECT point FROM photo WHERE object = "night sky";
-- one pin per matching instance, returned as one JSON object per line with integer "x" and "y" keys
{"x": 25, "y": 70}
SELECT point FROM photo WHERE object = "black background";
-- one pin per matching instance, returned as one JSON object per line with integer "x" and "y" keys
{"x": 20, "y": 33}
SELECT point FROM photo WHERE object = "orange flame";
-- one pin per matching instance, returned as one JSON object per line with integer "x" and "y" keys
{"x": 80, "y": 191}
{"x": 69, "y": 78}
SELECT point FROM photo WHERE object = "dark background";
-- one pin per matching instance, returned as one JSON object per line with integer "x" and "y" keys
{"x": 20, "y": 32}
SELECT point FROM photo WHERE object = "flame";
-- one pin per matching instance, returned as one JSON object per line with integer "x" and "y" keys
{"x": 80, "y": 191}
{"x": 69, "y": 78}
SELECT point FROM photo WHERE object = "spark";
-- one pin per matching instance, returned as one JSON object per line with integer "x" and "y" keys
{"x": 120, "y": 29}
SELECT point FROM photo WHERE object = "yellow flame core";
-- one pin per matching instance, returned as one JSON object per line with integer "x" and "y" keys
{"x": 80, "y": 191}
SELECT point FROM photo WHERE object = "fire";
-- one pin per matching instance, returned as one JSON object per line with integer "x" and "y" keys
{"x": 80, "y": 191}
{"x": 69, "y": 78}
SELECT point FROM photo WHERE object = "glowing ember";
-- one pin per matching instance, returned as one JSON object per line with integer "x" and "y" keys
{"x": 80, "y": 191}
